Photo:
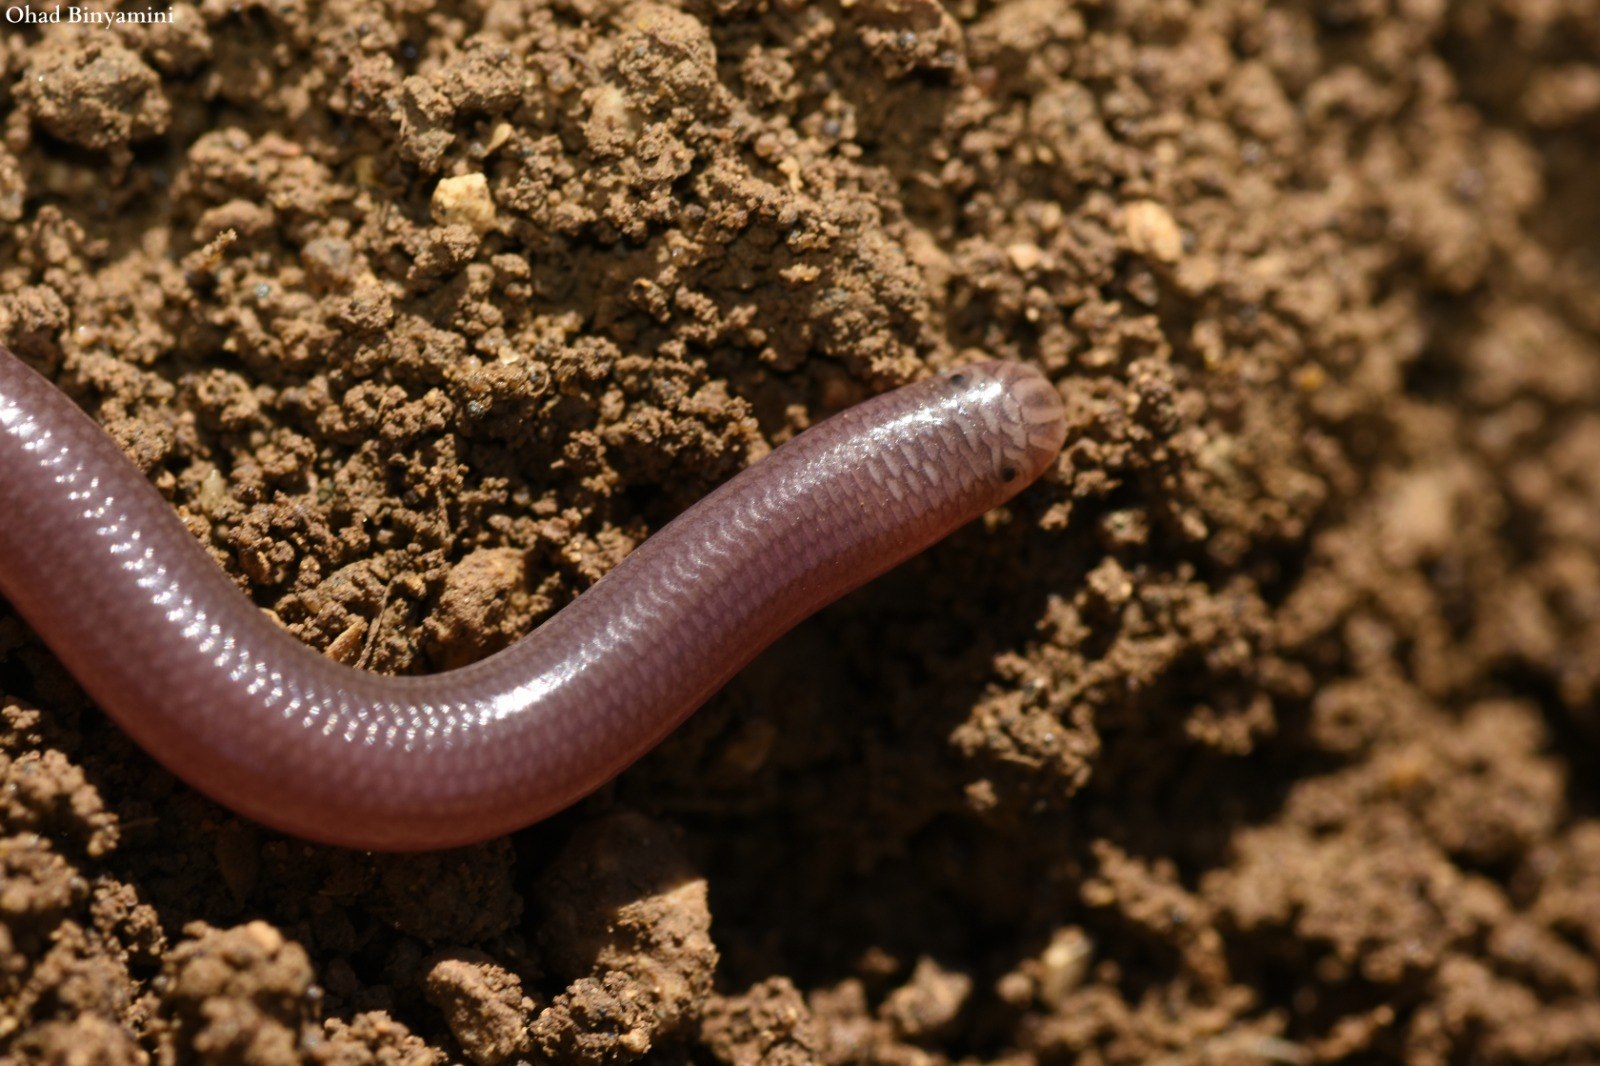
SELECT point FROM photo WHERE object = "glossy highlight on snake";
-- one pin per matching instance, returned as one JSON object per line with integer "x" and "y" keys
{"x": 103, "y": 569}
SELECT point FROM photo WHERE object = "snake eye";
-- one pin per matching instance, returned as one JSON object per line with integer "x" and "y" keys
{"x": 958, "y": 379}
{"x": 1008, "y": 473}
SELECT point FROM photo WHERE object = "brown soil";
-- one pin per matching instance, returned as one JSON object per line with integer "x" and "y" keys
{"x": 1265, "y": 730}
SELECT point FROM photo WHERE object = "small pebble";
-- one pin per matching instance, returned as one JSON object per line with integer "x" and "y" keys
{"x": 1152, "y": 232}
{"x": 464, "y": 200}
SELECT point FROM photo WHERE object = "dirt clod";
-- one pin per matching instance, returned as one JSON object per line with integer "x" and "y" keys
{"x": 97, "y": 94}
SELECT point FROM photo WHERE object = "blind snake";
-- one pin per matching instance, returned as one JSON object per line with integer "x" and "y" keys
{"x": 99, "y": 564}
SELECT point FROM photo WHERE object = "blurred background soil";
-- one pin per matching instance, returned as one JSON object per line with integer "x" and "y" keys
{"x": 1265, "y": 729}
